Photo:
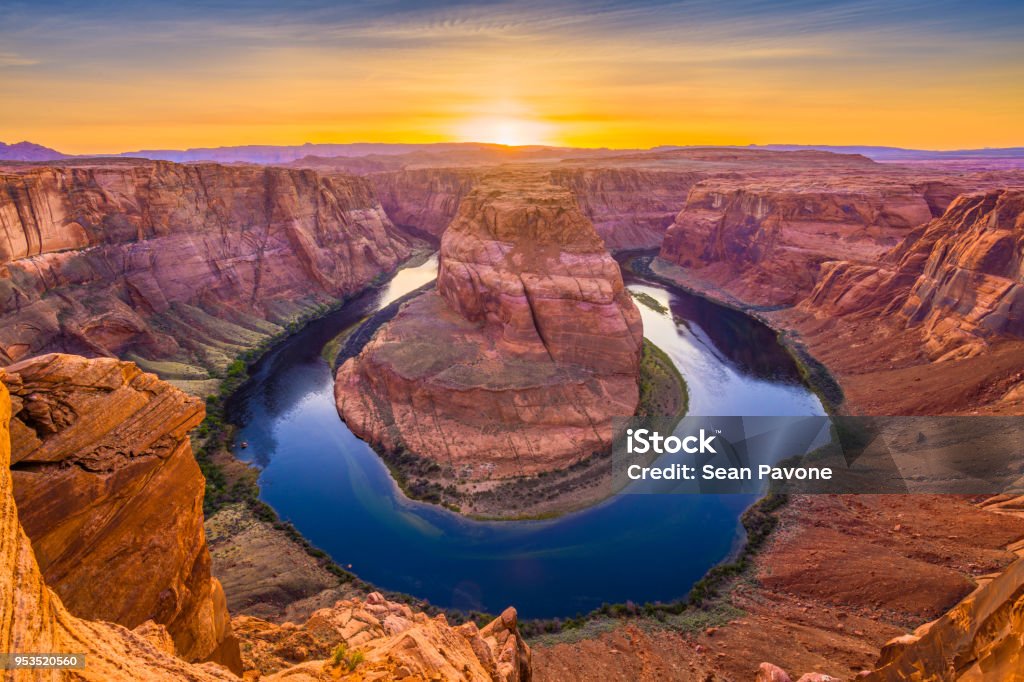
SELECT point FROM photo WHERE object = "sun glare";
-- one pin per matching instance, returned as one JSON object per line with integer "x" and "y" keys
{"x": 514, "y": 132}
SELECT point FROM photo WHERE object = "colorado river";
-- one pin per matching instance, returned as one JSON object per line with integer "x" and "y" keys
{"x": 339, "y": 494}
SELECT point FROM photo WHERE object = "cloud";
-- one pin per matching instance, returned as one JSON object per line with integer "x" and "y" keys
{"x": 8, "y": 59}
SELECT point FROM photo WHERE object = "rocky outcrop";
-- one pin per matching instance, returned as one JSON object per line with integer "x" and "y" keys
{"x": 180, "y": 266}
{"x": 982, "y": 638}
{"x": 520, "y": 359}
{"x": 111, "y": 497}
{"x": 959, "y": 279}
{"x": 385, "y": 640}
{"x": 33, "y": 619}
{"x": 630, "y": 207}
{"x": 379, "y": 639}
{"x": 765, "y": 241}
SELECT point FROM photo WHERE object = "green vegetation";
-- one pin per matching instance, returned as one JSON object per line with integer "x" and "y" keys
{"x": 650, "y": 302}
{"x": 342, "y": 658}
{"x": 663, "y": 391}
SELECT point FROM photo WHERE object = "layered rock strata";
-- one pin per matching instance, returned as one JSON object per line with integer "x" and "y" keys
{"x": 959, "y": 278}
{"x": 33, "y": 618}
{"x": 111, "y": 497}
{"x": 629, "y": 207}
{"x": 520, "y": 359}
{"x": 179, "y": 266}
{"x": 765, "y": 241}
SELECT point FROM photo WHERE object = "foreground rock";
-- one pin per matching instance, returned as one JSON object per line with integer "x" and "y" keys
{"x": 520, "y": 359}
{"x": 381, "y": 640}
{"x": 179, "y": 266}
{"x": 111, "y": 498}
{"x": 33, "y": 619}
{"x": 384, "y": 640}
{"x": 841, "y": 576}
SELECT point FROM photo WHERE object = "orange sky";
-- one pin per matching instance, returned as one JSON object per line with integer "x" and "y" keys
{"x": 94, "y": 78}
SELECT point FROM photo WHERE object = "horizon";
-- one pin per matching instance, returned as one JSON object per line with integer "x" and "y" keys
{"x": 832, "y": 147}
{"x": 96, "y": 77}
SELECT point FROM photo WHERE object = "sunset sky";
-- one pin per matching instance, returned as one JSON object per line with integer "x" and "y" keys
{"x": 106, "y": 76}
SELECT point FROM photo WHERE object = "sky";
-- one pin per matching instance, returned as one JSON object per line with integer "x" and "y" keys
{"x": 92, "y": 77}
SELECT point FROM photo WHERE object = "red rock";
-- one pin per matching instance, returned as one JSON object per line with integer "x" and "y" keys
{"x": 524, "y": 354}
{"x": 766, "y": 672}
{"x": 178, "y": 262}
{"x": 111, "y": 497}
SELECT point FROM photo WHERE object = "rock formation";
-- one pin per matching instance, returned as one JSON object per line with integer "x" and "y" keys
{"x": 33, "y": 619}
{"x": 424, "y": 199}
{"x": 111, "y": 497}
{"x": 959, "y": 279}
{"x": 765, "y": 240}
{"x": 630, "y": 207}
{"x": 392, "y": 641}
{"x": 520, "y": 359}
{"x": 180, "y": 266}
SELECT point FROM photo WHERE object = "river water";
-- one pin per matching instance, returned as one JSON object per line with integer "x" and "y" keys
{"x": 339, "y": 494}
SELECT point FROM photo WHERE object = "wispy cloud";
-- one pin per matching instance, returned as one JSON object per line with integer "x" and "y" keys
{"x": 216, "y": 71}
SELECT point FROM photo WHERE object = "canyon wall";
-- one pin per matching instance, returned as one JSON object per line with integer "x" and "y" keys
{"x": 630, "y": 208}
{"x": 765, "y": 241}
{"x": 958, "y": 279}
{"x": 426, "y": 199}
{"x": 523, "y": 354}
{"x": 178, "y": 266}
{"x": 111, "y": 497}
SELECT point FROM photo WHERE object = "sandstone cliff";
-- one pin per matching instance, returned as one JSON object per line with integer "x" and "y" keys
{"x": 520, "y": 359}
{"x": 764, "y": 241}
{"x": 959, "y": 279}
{"x": 179, "y": 266}
{"x": 629, "y": 207}
{"x": 33, "y": 618}
{"x": 111, "y": 497}
{"x": 424, "y": 199}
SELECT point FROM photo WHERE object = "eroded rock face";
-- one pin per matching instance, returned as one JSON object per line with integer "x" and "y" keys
{"x": 630, "y": 207}
{"x": 959, "y": 279}
{"x": 33, "y": 618}
{"x": 520, "y": 359}
{"x": 765, "y": 240}
{"x": 392, "y": 641}
{"x": 188, "y": 263}
{"x": 425, "y": 199}
{"x": 111, "y": 498}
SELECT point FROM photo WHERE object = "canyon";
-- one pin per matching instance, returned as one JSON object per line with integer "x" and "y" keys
{"x": 179, "y": 268}
{"x": 183, "y": 268}
{"x": 518, "y": 361}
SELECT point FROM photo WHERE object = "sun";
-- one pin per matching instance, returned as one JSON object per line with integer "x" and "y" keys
{"x": 510, "y": 131}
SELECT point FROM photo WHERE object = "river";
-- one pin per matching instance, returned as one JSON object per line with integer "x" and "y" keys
{"x": 338, "y": 493}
